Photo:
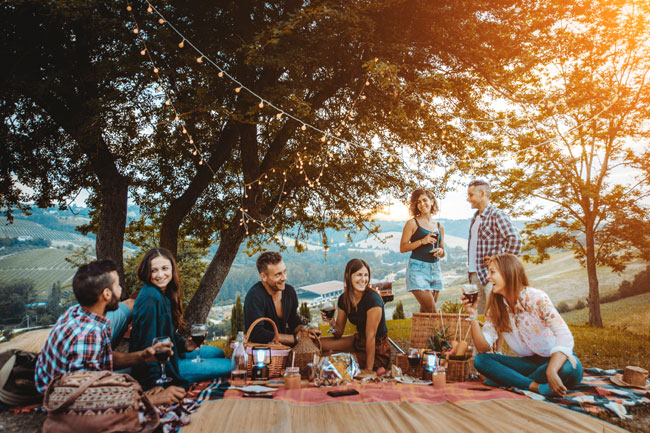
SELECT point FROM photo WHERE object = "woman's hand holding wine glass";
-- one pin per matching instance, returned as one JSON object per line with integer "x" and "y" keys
{"x": 327, "y": 314}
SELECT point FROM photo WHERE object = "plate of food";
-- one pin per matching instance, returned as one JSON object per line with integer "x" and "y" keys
{"x": 412, "y": 380}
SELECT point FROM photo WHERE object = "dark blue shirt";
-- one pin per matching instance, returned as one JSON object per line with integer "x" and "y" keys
{"x": 258, "y": 303}
{"x": 423, "y": 252}
{"x": 359, "y": 316}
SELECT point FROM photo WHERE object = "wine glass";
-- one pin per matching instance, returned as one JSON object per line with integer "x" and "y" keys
{"x": 162, "y": 356}
{"x": 470, "y": 291}
{"x": 198, "y": 333}
{"x": 328, "y": 311}
{"x": 413, "y": 357}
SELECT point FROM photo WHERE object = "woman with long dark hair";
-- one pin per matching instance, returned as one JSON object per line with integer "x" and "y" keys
{"x": 526, "y": 318}
{"x": 424, "y": 238}
{"x": 158, "y": 312}
{"x": 363, "y": 306}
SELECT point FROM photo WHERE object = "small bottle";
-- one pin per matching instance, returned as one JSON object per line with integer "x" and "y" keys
{"x": 239, "y": 362}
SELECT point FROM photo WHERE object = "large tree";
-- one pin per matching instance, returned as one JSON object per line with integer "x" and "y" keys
{"x": 358, "y": 72}
{"x": 581, "y": 144}
{"x": 72, "y": 108}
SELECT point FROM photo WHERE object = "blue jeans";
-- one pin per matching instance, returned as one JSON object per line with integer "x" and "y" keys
{"x": 520, "y": 372}
{"x": 214, "y": 365}
{"x": 119, "y": 319}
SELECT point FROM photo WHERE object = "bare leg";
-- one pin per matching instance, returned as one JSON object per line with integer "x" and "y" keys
{"x": 426, "y": 301}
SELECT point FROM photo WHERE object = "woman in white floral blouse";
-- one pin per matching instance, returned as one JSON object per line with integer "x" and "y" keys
{"x": 526, "y": 318}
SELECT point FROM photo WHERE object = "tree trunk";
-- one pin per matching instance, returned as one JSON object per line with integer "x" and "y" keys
{"x": 199, "y": 307}
{"x": 112, "y": 223}
{"x": 594, "y": 296}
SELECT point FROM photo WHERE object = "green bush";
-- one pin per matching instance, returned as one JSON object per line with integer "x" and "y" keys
{"x": 237, "y": 319}
{"x": 305, "y": 312}
{"x": 399, "y": 311}
{"x": 563, "y": 307}
{"x": 580, "y": 304}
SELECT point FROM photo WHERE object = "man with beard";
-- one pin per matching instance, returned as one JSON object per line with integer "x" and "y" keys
{"x": 274, "y": 299}
{"x": 81, "y": 338}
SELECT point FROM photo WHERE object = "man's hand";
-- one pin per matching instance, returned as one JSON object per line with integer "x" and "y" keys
{"x": 150, "y": 352}
{"x": 171, "y": 395}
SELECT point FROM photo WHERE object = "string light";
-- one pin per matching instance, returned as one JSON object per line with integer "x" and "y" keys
{"x": 181, "y": 44}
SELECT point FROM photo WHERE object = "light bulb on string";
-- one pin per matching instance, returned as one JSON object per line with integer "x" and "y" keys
{"x": 191, "y": 141}
{"x": 176, "y": 119}
{"x": 161, "y": 21}
{"x": 220, "y": 74}
{"x": 323, "y": 139}
{"x": 261, "y": 104}
{"x": 199, "y": 59}
{"x": 159, "y": 87}
{"x": 155, "y": 71}
{"x": 366, "y": 154}
{"x": 184, "y": 131}
{"x": 168, "y": 102}
{"x": 363, "y": 97}
{"x": 181, "y": 44}
{"x": 390, "y": 159}
{"x": 237, "y": 89}
{"x": 303, "y": 127}
{"x": 278, "y": 116}
{"x": 150, "y": 9}
{"x": 129, "y": 8}
{"x": 195, "y": 153}
{"x": 143, "y": 52}
{"x": 136, "y": 30}
{"x": 201, "y": 162}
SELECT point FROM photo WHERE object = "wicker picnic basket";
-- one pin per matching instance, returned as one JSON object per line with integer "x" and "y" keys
{"x": 424, "y": 324}
{"x": 279, "y": 352}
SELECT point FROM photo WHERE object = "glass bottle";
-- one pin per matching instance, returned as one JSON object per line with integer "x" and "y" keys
{"x": 239, "y": 362}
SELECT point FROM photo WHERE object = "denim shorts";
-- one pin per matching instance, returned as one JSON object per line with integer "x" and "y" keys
{"x": 423, "y": 275}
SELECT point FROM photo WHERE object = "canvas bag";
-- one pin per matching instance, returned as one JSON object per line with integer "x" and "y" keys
{"x": 97, "y": 401}
{"x": 17, "y": 387}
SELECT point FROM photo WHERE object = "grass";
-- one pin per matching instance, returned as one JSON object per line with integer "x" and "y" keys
{"x": 628, "y": 314}
{"x": 43, "y": 266}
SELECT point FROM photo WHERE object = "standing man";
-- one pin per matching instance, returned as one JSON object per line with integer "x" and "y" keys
{"x": 491, "y": 232}
{"x": 274, "y": 299}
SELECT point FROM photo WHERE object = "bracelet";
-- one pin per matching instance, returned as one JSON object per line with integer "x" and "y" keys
{"x": 472, "y": 319}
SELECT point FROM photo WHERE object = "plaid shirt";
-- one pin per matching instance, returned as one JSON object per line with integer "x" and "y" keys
{"x": 79, "y": 341}
{"x": 496, "y": 235}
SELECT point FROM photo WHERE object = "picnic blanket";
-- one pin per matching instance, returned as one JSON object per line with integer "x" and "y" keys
{"x": 597, "y": 394}
{"x": 462, "y": 392}
{"x": 236, "y": 415}
{"x": 175, "y": 416}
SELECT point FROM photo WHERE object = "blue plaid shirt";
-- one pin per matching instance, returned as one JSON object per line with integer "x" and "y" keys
{"x": 80, "y": 340}
{"x": 496, "y": 235}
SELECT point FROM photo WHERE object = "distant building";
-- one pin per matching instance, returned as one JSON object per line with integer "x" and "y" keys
{"x": 315, "y": 294}
{"x": 24, "y": 238}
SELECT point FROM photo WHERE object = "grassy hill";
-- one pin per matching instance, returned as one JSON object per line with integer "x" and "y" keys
{"x": 629, "y": 314}
{"x": 43, "y": 266}
{"x": 561, "y": 277}
{"x": 22, "y": 227}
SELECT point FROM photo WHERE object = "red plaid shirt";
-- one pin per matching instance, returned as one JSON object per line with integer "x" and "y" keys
{"x": 79, "y": 341}
{"x": 496, "y": 235}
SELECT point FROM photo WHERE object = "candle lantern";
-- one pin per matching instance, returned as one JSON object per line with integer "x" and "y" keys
{"x": 261, "y": 360}
{"x": 430, "y": 362}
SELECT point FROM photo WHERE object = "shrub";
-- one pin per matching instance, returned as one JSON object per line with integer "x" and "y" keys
{"x": 611, "y": 297}
{"x": 305, "y": 312}
{"x": 563, "y": 307}
{"x": 399, "y": 311}
{"x": 580, "y": 304}
{"x": 237, "y": 318}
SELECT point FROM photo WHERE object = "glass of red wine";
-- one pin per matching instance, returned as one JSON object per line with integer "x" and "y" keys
{"x": 470, "y": 291}
{"x": 328, "y": 310}
{"x": 413, "y": 357}
{"x": 198, "y": 333}
{"x": 162, "y": 356}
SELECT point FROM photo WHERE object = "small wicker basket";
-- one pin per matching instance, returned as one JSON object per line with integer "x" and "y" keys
{"x": 279, "y": 352}
{"x": 424, "y": 324}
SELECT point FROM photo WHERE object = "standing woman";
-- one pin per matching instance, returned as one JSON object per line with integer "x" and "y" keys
{"x": 158, "y": 312}
{"x": 532, "y": 327}
{"x": 424, "y": 237}
{"x": 365, "y": 309}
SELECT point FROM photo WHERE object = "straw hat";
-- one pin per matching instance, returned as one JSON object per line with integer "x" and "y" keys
{"x": 632, "y": 376}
